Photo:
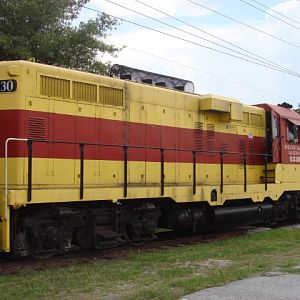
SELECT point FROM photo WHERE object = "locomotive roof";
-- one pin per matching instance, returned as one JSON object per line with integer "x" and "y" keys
{"x": 285, "y": 113}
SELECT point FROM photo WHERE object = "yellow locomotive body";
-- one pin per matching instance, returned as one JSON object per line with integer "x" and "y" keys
{"x": 72, "y": 137}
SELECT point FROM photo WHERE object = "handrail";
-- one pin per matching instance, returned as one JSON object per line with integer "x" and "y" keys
{"x": 125, "y": 149}
{"x": 6, "y": 172}
{"x": 29, "y": 167}
{"x": 125, "y": 159}
{"x": 245, "y": 172}
{"x": 162, "y": 171}
{"x": 221, "y": 171}
{"x": 194, "y": 172}
{"x": 149, "y": 147}
{"x": 81, "y": 169}
{"x": 266, "y": 171}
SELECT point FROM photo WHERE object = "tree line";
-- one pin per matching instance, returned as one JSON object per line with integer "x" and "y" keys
{"x": 50, "y": 32}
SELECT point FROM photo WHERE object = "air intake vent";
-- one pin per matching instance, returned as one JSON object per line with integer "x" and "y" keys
{"x": 110, "y": 96}
{"x": 55, "y": 87}
{"x": 224, "y": 147}
{"x": 256, "y": 120}
{"x": 245, "y": 118}
{"x": 251, "y": 158}
{"x": 36, "y": 128}
{"x": 198, "y": 136}
{"x": 84, "y": 91}
{"x": 210, "y": 138}
{"x": 242, "y": 150}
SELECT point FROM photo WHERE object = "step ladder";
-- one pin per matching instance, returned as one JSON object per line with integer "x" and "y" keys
{"x": 269, "y": 174}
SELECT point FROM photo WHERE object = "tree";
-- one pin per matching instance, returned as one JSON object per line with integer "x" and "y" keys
{"x": 45, "y": 31}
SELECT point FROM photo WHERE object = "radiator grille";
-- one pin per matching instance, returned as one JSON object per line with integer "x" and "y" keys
{"x": 55, "y": 87}
{"x": 84, "y": 91}
{"x": 61, "y": 88}
{"x": 110, "y": 96}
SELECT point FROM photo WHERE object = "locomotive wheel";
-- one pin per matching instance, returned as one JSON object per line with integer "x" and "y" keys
{"x": 33, "y": 250}
{"x": 23, "y": 245}
{"x": 20, "y": 244}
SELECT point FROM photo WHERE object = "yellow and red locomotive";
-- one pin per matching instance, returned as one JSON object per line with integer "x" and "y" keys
{"x": 94, "y": 161}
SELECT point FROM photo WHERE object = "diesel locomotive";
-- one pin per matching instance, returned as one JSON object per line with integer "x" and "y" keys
{"x": 94, "y": 161}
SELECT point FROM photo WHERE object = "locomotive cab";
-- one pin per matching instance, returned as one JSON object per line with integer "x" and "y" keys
{"x": 282, "y": 138}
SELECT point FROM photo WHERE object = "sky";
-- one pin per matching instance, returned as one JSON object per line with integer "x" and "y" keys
{"x": 212, "y": 71}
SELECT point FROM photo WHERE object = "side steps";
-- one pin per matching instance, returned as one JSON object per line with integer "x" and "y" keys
{"x": 269, "y": 174}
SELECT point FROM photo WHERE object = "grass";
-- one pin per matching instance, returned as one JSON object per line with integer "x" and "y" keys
{"x": 162, "y": 274}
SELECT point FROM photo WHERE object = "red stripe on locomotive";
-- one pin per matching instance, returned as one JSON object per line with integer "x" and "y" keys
{"x": 69, "y": 128}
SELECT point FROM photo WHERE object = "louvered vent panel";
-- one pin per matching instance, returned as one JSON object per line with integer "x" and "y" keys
{"x": 198, "y": 136}
{"x": 251, "y": 158}
{"x": 36, "y": 128}
{"x": 84, "y": 91}
{"x": 245, "y": 118}
{"x": 256, "y": 120}
{"x": 210, "y": 138}
{"x": 224, "y": 147}
{"x": 54, "y": 87}
{"x": 110, "y": 96}
{"x": 242, "y": 150}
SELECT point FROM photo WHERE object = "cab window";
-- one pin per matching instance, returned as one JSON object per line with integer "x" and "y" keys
{"x": 292, "y": 133}
{"x": 275, "y": 127}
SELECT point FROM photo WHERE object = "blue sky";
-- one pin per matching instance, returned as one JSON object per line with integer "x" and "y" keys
{"x": 212, "y": 72}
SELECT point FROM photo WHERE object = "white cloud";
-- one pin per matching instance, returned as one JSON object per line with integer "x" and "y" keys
{"x": 286, "y": 7}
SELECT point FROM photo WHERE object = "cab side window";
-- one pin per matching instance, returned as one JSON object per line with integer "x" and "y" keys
{"x": 292, "y": 133}
{"x": 275, "y": 127}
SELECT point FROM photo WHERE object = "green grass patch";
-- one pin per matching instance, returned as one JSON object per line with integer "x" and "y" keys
{"x": 162, "y": 274}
